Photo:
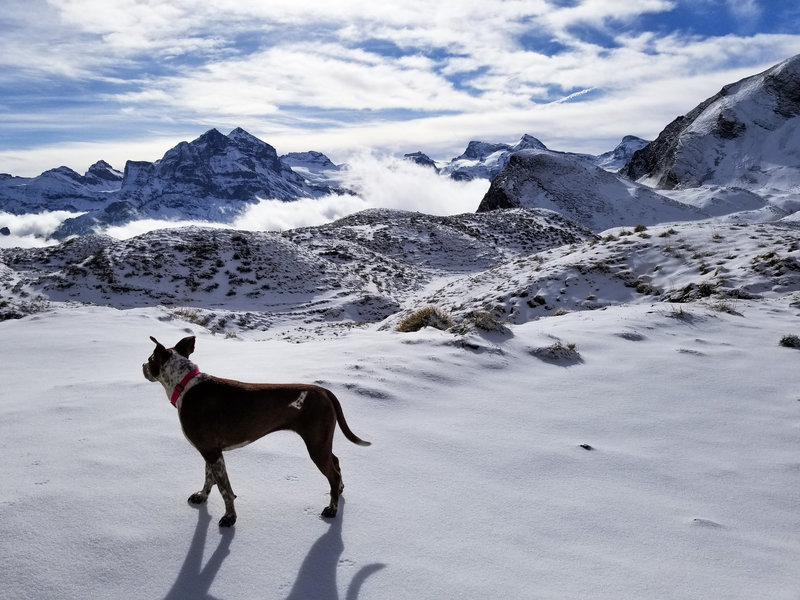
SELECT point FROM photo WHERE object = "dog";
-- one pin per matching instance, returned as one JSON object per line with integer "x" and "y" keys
{"x": 222, "y": 414}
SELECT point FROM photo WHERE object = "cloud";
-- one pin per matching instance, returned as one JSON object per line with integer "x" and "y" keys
{"x": 32, "y": 230}
{"x": 745, "y": 9}
{"x": 331, "y": 76}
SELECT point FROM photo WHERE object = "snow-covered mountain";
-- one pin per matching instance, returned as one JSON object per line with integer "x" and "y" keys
{"x": 747, "y": 136}
{"x": 737, "y": 156}
{"x": 616, "y": 159}
{"x": 422, "y": 159}
{"x": 213, "y": 178}
{"x": 484, "y": 160}
{"x": 314, "y": 166}
{"x": 579, "y": 190}
{"x": 60, "y": 189}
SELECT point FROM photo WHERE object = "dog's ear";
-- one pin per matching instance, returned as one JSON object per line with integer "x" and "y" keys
{"x": 185, "y": 347}
{"x": 160, "y": 350}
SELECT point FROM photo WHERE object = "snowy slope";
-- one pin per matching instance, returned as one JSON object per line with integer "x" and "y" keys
{"x": 476, "y": 486}
{"x": 608, "y": 418}
{"x": 717, "y": 264}
{"x": 580, "y": 191}
{"x": 359, "y": 268}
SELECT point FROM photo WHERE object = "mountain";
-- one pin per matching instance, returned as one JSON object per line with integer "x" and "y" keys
{"x": 59, "y": 189}
{"x": 421, "y": 159}
{"x": 483, "y": 160}
{"x": 314, "y": 166}
{"x": 745, "y": 136}
{"x": 579, "y": 190}
{"x": 620, "y": 156}
{"x": 212, "y": 178}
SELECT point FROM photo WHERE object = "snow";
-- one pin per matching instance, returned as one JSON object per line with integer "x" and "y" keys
{"x": 476, "y": 484}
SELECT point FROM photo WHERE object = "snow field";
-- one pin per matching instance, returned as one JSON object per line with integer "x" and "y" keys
{"x": 476, "y": 484}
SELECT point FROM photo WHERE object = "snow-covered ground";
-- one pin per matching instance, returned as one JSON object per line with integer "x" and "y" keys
{"x": 657, "y": 458}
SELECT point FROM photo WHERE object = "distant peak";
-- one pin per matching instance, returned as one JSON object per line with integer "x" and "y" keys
{"x": 211, "y": 135}
{"x": 239, "y": 131}
{"x": 240, "y": 134}
{"x": 63, "y": 170}
{"x": 528, "y": 141}
{"x": 479, "y": 150}
{"x": 104, "y": 171}
{"x": 100, "y": 164}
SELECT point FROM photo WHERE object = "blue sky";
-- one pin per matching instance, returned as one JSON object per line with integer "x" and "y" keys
{"x": 83, "y": 80}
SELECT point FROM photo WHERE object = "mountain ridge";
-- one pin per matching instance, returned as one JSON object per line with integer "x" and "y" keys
{"x": 740, "y": 136}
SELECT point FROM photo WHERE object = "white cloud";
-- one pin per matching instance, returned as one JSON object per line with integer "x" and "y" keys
{"x": 306, "y": 80}
{"x": 32, "y": 230}
{"x": 598, "y": 12}
{"x": 745, "y": 9}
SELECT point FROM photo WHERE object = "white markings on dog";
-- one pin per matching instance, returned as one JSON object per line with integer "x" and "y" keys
{"x": 298, "y": 404}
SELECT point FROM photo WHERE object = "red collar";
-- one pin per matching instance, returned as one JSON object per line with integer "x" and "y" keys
{"x": 176, "y": 393}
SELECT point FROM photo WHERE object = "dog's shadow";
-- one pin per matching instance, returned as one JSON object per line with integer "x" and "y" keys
{"x": 194, "y": 580}
{"x": 316, "y": 578}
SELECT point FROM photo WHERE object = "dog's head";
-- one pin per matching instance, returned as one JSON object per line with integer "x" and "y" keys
{"x": 161, "y": 356}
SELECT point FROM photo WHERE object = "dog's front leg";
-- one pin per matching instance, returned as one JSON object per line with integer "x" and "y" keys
{"x": 216, "y": 464}
{"x": 202, "y": 495}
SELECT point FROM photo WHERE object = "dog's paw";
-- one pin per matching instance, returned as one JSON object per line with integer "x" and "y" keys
{"x": 227, "y": 520}
{"x": 197, "y": 498}
{"x": 329, "y": 512}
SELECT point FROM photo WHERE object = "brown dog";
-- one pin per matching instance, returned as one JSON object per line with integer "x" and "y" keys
{"x": 223, "y": 414}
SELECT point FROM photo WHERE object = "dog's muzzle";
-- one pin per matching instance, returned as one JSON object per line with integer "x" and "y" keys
{"x": 146, "y": 372}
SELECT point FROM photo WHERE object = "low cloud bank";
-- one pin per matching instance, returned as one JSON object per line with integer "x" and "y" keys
{"x": 378, "y": 182}
{"x": 31, "y": 230}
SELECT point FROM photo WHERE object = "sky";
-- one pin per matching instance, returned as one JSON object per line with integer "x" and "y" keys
{"x": 84, "y": 80}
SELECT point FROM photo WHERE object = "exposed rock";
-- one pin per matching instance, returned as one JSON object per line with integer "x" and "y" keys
{"x": 421, "y": 159}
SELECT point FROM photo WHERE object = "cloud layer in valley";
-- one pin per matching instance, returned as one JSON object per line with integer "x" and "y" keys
{"x": 378, "y": 182}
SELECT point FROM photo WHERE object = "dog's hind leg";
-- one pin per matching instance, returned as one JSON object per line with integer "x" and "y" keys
{"x": 216, "y": 464}
{"x": 202, "y": 495}
{"x": 328, "y": 464}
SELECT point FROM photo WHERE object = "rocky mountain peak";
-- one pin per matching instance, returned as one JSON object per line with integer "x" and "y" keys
{"x": 421, "y": 159}
{"x": 528, "y": 142}
{"x": 741, "y": 136}
{"x": 102, "y": 171}
{"x": 481, "y": 150}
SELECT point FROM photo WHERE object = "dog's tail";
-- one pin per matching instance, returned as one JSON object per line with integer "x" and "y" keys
{"x": 348, "y": 433}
